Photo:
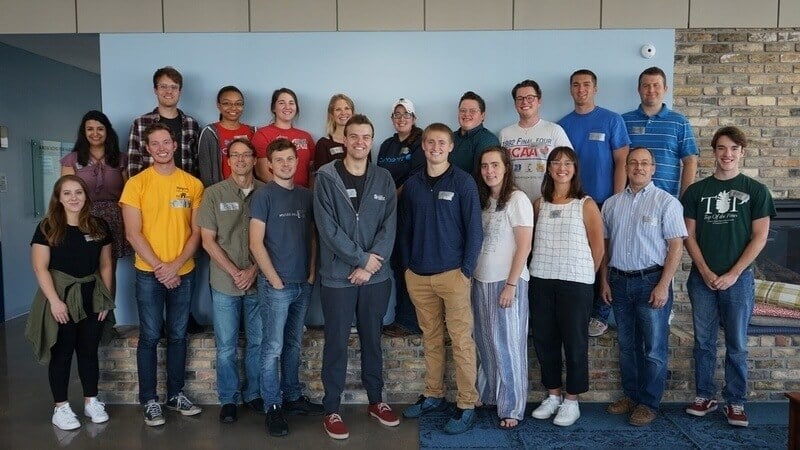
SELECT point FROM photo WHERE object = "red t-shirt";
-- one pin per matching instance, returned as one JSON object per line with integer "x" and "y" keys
{"x": 301, "y": 139}
{"x": 225, "y": 137}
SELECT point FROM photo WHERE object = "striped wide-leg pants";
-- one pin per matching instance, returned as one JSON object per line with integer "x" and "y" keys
{"x": 501, "y": 336}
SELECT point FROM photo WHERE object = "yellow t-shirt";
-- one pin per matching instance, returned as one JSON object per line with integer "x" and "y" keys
{"x": 166, "y": 203}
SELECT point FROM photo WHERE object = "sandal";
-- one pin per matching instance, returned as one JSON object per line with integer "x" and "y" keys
{"x": 503, "y": 424}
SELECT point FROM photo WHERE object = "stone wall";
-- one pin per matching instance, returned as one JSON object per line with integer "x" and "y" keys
{"x": 774, "y": 369}
{"x": 749, "y": 78}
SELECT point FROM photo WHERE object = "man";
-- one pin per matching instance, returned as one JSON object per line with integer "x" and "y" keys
{"x": 530, "y": 140}
{"x": 167, "y": 85}
{"x": 223, "y": 216}
{"x": 644, "y": 236}
{"x": 283, "y": 244}
{"x": 355, "y": 206}
{"x": 601, "y": 142}
{"x": 665, "y": 132}
{"x": 727, "y": 217}
{"x": 159, "y": 208}
{"x": 472, "y": 137}
{"x": 441, "y": 235}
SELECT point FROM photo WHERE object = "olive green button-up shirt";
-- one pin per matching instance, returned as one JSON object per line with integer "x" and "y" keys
{"x": 226, "y": 210}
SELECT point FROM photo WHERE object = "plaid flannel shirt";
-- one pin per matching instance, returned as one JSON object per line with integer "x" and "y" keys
{"x": 139, "y": 159}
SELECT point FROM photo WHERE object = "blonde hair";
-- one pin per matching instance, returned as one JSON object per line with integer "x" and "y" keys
{"x": 330, "y": 123}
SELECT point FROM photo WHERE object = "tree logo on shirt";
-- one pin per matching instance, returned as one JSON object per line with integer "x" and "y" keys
{"x": 723, "y": 207}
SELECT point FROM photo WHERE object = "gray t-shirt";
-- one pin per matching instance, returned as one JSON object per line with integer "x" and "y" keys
{"x": 288, "y": 215}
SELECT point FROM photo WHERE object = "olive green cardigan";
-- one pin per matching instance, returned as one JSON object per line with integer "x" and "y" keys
{"x": 42, "y": 329}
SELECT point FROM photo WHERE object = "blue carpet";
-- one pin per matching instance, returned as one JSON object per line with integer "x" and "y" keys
{"x": 673, "y": 429}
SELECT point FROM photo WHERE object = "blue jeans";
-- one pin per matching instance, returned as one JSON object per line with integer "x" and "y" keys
{"x": 643, "y": 334}
{"x": 283, "y": 313}
{"x": 732, "y": 308}
{"x": 228, "y": 313}
{"x": 151, "y": 298}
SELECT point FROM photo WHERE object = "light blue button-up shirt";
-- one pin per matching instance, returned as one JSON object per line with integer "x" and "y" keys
{"x": 638, "y": 225}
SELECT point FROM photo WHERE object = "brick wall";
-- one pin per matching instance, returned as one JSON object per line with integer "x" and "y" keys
{"x": 748, "y": 78}
{"x": 774, "y": 368}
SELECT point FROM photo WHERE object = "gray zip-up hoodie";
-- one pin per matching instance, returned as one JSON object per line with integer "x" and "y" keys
{"x": 347, "y": 236}
{"x": 209, "y": 161}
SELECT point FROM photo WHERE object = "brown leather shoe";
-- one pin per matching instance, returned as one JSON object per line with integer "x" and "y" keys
{"x": 622, "y": 406}
{"x": 395, "y": 330}
{"x": 642, "y": 415}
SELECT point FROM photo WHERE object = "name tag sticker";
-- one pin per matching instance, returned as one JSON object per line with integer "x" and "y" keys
{"x": 337, "y": 150}
{"x": 229, "y": 206}
{"x": 352, "y": 193}
{"x": 88, "y": 238}
{"x": 597, "y": 136}
{"x": 555, "y": 214}
{"x": 637, "y": 130}
{"x": 446, "y": 195}
{"x": 379, "y": 197}
{"x": 650, "y": 220}
{"x": 180, "y": 203}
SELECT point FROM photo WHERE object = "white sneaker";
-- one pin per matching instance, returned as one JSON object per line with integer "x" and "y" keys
{"x": 596, "y": 327}
{"x": 95, "y": 410}
{"x": 64, "y": 418}
{"x": 568, "y": 413}
{"x": 548, "y": 407}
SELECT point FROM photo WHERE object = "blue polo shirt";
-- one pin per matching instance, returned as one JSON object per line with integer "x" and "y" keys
{"x": 595, "y": 136}
{"x": 669, "y": 136}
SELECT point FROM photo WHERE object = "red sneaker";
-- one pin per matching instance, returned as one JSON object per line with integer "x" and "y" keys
{"x": 335, "y": 427}
{"x": 384, "y": 414}
{"x": 736, "y": 415}
{"x": 701, "y": 406}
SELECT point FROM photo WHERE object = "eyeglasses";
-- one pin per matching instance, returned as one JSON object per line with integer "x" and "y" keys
{"x": 168, "y": 87}
{"x": 232, "y": 104}
{"x": 398, "y": 116}
{"x": 635, "y": 163}
{"x": 562, "y": 163}
{"x": 471, "y": 111}
{"x": 526, "y": 98}
{"x": 240, "y": 155}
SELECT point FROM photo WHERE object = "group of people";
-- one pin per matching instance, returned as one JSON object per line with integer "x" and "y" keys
{"x": 552, "y": 225}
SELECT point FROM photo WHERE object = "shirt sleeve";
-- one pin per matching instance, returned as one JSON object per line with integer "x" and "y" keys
{"x": 688, "y": 144}
{"x": 38, "y": 236}
{"x": 259, "y": 205}
{"x": 198, "y": 193}
{"x": 561, "y": 139}
{"x": 205, "y": 215}
{"x": 619, "y": 133}
{"x": 520, "y": 210}
{"x": 689, "y": 202}
{"x": 135, "y": 162}
{"x": 672, "y": 223}
{"x": 131, "y": 193}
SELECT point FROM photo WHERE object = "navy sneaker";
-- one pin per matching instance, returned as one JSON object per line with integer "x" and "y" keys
{"x": 302, "y": 407}
{"x": 463, "y": 420}
{"x": 425, "y": 405}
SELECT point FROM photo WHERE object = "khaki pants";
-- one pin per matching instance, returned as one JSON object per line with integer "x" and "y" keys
{"x": 440, "y": 297}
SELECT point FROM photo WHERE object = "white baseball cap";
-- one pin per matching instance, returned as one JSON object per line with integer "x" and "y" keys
{"x": 405, "y": 103}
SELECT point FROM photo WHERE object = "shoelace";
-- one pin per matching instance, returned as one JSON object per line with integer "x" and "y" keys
{"x": 383, "y": 407}
{"x": 182, "y": 402}
{"x": 334, "y": 418}
{"x": 96, "y": 403}
{"x": 737, "y": 409}
{"x": 66, "y": 412}
{"x": 699, "y": 401}
{"x": 153, "y": 409}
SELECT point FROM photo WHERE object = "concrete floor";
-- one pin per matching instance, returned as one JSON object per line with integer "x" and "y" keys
{"x": 26, "y": 408}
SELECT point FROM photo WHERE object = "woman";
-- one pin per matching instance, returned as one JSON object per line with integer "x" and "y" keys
{"x": 284, "y": 109}
{"x": 340, "y": 109}
{"x": 500, "y": 289}
{"x": 71, "y": 256}
{"x": 212, "y": 150}
{"x": 567, "y": 249}
{"x": 402, "y": 155}
{"x": 97, "y": 160}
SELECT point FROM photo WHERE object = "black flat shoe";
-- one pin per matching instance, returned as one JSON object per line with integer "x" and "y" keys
{"x": 228, "y": 413}
{"x": 256, "y": 404}
{"x": 275, "y": 423}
